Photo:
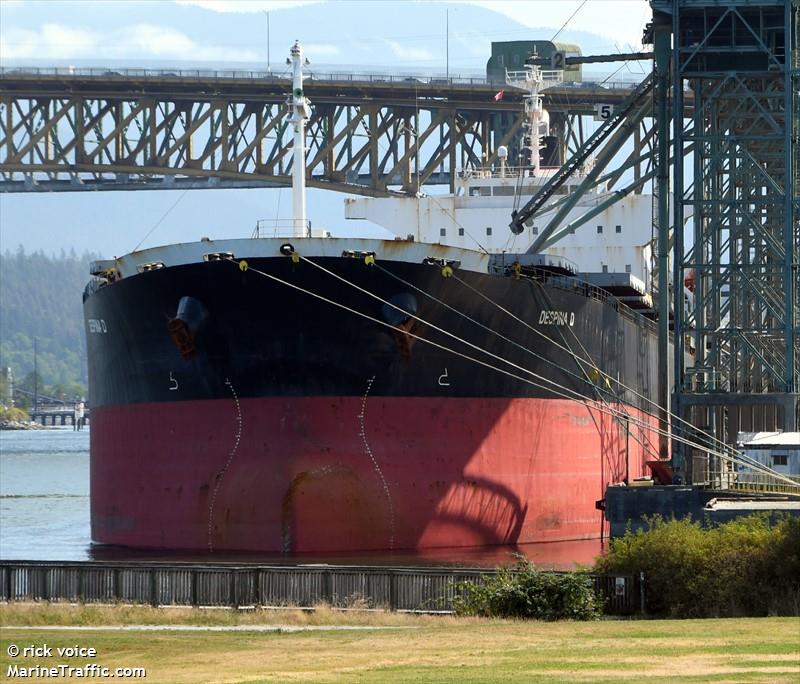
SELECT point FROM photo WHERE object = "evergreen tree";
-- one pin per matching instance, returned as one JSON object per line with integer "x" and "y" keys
{"x": 41, "y": 299}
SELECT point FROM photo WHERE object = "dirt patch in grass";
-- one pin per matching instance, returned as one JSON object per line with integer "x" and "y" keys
{"x": 435, "y": 649}
{"x": 86, "y": 614}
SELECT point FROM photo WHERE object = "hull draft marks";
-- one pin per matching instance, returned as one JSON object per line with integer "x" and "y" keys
{"x": 221, "y": 474}
{"x": 363, "y": 434}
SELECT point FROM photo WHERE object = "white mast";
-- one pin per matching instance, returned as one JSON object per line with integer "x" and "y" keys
{"x": 534, "y": 80}
{"x": 301, "y": 112}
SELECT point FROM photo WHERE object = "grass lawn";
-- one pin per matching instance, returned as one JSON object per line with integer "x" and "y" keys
{"x": 404, "y": 648}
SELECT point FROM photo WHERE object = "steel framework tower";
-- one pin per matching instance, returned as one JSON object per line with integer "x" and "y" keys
{"x": 738, "y": 187}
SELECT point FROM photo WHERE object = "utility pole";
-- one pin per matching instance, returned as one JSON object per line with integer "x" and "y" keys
{"x": 35, "y": 375}
{"x": 268, "y": 55}
{"x": 447, "y": 41}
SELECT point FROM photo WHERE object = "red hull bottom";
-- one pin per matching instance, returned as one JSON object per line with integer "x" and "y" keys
{"x": 331, "y": 474}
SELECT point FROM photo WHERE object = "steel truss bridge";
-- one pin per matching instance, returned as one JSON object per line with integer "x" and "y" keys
{"x": 95, "y": 129}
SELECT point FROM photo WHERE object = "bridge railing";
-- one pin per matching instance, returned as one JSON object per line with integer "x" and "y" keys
{"x": 66, "y": 407}
{"x": 404, "y": 79}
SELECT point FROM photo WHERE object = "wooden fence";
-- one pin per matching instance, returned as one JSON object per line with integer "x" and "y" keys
{"x": 240, "y": 586}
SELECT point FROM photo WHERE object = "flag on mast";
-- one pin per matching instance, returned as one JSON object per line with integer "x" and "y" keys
{"x": 499, "y": 96}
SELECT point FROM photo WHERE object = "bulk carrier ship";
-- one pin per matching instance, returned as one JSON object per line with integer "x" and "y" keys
{"x": 309, "y": 393}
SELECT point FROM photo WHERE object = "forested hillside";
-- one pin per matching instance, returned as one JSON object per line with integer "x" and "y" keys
{"x": 41, "y": 297}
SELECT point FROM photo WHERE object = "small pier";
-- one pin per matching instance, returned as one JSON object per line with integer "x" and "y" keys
{"x": 56, "y": 415}
{"x": 632, "y": 507}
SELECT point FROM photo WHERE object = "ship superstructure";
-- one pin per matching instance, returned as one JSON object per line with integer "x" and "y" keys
{"x": 618, "y": 240}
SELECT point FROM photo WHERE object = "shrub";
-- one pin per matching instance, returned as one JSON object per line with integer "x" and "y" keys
{"x": 749, "y": 566}
{"x": 780, "y": 569}
{"x": 12, "y": 414}
{"x": 523, "y": 591}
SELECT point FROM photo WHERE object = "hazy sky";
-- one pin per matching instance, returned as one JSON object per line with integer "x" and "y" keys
{"x": 121, "y": 29}
{"x": 402, "y": 36}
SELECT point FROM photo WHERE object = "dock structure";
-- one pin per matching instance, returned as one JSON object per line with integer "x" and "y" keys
{"x": 56, "y": 415}
{"x": 740, "y": 183}
{"x": 231, "y": 585}
{"x": 633, "y": 508}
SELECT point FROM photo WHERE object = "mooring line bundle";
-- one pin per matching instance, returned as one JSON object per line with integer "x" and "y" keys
{"x": 728, "y": 454}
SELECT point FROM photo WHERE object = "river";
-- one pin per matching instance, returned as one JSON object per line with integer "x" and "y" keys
{"x": 44, "y": 494}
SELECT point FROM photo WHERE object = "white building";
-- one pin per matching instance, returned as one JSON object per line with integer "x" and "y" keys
{"x": 777, "y": 450}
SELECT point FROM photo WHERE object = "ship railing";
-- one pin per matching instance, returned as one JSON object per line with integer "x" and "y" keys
{"x": 266, "y": 228}
{"x": 509, "y": 172}
{"x": 527, "y": 79}
{"x": 574, "y": 284}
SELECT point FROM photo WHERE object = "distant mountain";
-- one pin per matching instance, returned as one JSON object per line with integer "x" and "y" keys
{"x": 405, "y": 36}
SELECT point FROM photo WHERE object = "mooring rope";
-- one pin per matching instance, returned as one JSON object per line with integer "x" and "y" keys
{"x": 563, "y": 392}
{"x": 651, "y": 402}
{"x": 584, "y": 378}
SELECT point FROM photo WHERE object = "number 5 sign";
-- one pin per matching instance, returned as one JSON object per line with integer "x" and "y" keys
{"x": 603, "y": 112}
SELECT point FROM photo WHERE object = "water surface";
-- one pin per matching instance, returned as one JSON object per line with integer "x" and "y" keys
{"x": 44, "y": 494}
